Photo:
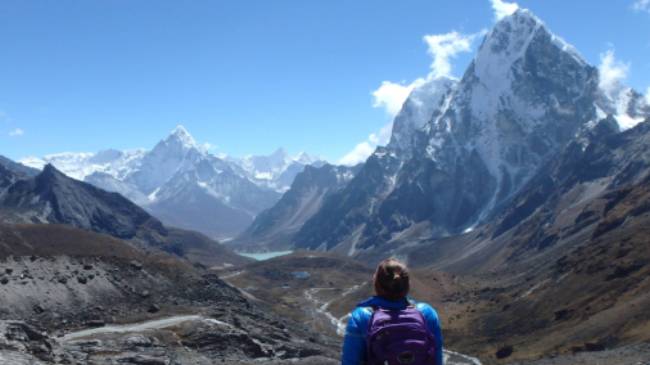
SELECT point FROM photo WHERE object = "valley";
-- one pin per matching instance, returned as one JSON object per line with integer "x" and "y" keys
{"x": 518, "y": 195}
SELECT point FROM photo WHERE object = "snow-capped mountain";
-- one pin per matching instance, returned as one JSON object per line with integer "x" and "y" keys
{"x": 184, "y": 185}
{"x": 79, "y": 165}
{"x": 277, "y": 170}
{"x": 462, "y": 149}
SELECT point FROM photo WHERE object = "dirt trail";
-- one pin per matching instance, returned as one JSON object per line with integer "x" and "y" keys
{"x": 141, "y": 326}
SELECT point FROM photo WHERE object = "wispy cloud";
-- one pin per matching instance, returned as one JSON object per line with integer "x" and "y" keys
{"x": 502, "y": 8}
{"x": 391, "y": 95}
{"x": 641, "y": 5}
{"x": 16, "y": 132}
{"x": 363, "y": 150}
{"x": 442, "y": 48}
{"x": 612, "y": 72}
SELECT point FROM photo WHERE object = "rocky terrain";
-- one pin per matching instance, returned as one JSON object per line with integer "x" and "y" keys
{"x": 56, "y": 282}
{"x": 86, "y": 276}
{"x": 320, "y": 290}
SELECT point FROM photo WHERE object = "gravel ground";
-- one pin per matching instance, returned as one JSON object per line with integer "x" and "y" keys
{"x": 629, "y": 355}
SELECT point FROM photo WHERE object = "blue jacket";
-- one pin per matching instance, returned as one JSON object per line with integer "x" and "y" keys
{"x": 354, "y": 344}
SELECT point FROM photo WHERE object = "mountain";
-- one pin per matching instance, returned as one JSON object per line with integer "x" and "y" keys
{"x": 16, "y": 168}
{"x": 277, "y": 170}
{"x": 11, "y": 171}
{"x": 461, "y": 150}
{"x": 563, "y": 267}
{"x": 208, "y": 196}
{"x": 181, "y": 183}
{"x": 54, "y": 198}
{"x": 273, "y": 229}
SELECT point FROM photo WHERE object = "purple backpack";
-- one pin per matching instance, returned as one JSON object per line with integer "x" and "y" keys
{"x": 399, "y": 337}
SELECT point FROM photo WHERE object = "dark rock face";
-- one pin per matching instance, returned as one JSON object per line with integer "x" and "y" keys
{"x": 52, "y": 197}
{"x": 16, "y": 168}
{"x": 10, "y": 172}
{"x": 275, "y": 227}
{"x": 346, "y": 210}
{"x": 602, "y": 154}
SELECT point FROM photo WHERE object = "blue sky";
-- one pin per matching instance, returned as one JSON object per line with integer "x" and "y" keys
{"x": 250, "y": 76}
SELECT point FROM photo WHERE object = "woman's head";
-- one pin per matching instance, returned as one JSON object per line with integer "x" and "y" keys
{"x": 392, "y": 280}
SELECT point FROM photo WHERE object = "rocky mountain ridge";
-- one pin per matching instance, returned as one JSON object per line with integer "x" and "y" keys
{"x": 50, "y": 197}
{"x": 273, "y": 229}
{"x": 525, "y": 96}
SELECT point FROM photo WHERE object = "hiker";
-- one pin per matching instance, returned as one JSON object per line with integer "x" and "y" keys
{"x": 390, "y": 328}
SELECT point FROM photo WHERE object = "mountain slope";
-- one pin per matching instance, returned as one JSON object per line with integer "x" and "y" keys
{"x": 277, "y": 170}
{"x": 274, "y": 228}
{"x": 563, "y": 269}
{"x": 63, "y": 288}
{"x": 523, "y": 98}
{"x": 53, "y": 198}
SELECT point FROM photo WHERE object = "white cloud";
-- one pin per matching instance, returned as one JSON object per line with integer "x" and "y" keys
{"x": 363, "y": 150}
{"x": 612, "y": 72}
{"x": 17, "y": 132}
{"x": 206, "y": 146}
{"x": 391, "y": 95}
{"x": 641, "y": 5}
{"x": 647, "y": 95}
{"x": 502, "y": 9}
{"x": 444, "y": 47}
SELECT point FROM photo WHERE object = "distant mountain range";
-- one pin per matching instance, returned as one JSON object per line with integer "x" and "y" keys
{"x": 181, "y": 183}
{"x": 461, "y": 153}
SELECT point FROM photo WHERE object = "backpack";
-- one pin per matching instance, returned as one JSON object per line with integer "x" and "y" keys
{"x": 399, "y": 337}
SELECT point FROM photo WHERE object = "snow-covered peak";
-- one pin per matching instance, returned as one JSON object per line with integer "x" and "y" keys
{"x": 627, "y": 106}
{"x": 304, "y": 158}
{"x": 79, "y": 165}
{"x": 279, "y": 155}
{"x": 181, "y": 137}
{"x": 504, "y": 44}
{"x": 418, "y": 109}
